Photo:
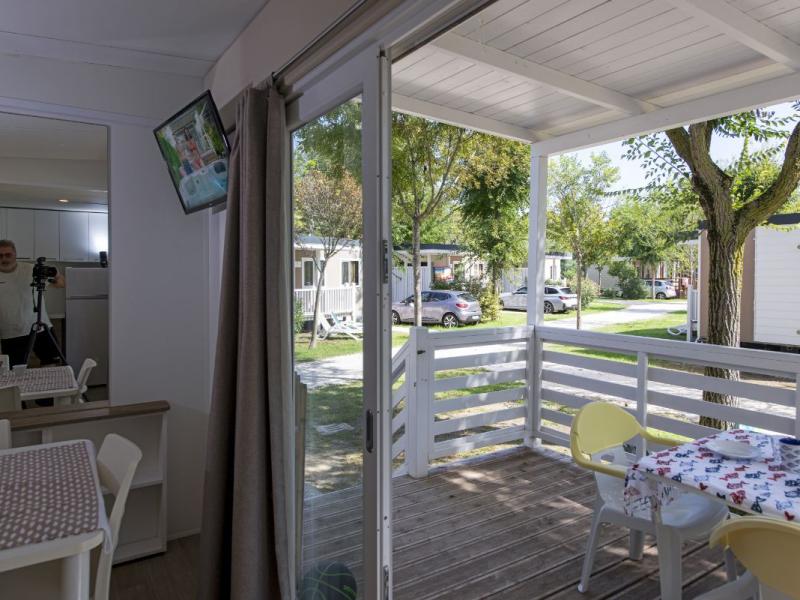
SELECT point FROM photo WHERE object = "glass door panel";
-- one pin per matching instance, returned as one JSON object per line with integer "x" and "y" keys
{"x": 328, "y": 346}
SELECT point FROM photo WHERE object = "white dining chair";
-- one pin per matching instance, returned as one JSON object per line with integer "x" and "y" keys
{"x": 117, "y": 461}
{"x": 82, "y": 380}
{"x": 5, "y": 434}
{"x": 116, "y": 466}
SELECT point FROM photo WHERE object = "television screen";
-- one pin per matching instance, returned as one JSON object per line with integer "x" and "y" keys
{"x": 195, "y": 149}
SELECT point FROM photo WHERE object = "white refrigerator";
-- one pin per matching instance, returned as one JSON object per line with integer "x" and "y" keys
{"x": 86, "y": 314}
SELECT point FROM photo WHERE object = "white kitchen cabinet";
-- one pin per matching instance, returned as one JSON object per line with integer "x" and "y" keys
{"x": 98, "y": 235}
{"x": 45, "y": 234}
{"x": 20, "y": 230}
{"x": 74, "y": 236}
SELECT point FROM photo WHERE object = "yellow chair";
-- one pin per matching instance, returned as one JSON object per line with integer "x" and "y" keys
{"x": 598, "y": 433}
{"x": 769, "y": 549}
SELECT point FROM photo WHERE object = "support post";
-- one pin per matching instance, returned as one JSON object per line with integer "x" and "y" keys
{"x": 537, "y": 233}
{"x": 797, "y": 406}
{"x": 642, "y": 365}
{"x": 418, "y": 397}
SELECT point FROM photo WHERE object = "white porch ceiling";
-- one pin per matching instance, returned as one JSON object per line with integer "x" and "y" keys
{"x": 173, "y": 36}
{"x": 536, "y": 69}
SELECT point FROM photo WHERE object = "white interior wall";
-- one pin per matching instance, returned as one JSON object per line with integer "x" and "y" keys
{"x": 281, "y": 30}
{"x": 159, "y": 258}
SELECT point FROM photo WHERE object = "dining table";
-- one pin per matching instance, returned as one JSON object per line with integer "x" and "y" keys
{"x": 759, "y": 485}
{"x": 51, "y": 509}
{"x": 44, "y": 382}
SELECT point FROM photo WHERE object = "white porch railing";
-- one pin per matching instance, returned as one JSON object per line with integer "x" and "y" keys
{"x": 545, "y": 383}
{"x": 340, "y": 300}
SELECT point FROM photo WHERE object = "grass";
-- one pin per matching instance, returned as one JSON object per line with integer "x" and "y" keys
{"x": 341, "y": 346}
{"x": 652, "y": 328}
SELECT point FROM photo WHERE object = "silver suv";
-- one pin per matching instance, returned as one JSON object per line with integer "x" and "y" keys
{"x": 445, "y": 307}
{"x": 663, "y": 289}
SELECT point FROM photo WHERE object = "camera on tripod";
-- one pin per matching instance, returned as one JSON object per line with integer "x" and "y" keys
{"x": 43, "y": 274}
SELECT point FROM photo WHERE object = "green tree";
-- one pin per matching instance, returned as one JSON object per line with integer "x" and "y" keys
{"x": 575, "y": 217}
{"x": 428, "y": 166}
{"x": 494, "y": 204}
{"x": 734, "y": 199}
{"x": 646, "y": 231}
{"x": 328, "y": 208}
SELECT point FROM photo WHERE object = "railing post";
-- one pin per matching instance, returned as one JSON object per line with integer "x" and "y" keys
{"x": 533, "y": 421}
{"x": 642, "y": 365}
{"x": 797, "y": 406}
{"x": 419, "y": 362}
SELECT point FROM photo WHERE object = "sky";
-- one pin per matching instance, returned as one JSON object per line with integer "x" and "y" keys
{"x": 723, "y": 150}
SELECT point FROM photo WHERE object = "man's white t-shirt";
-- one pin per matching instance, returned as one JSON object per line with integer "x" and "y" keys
{"x": 16, "y": 302}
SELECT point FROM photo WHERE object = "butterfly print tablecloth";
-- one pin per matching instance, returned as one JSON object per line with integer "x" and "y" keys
{"x": 758, "y": 486}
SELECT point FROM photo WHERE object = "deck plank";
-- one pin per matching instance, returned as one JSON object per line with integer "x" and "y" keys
{"x": 511, "y": 527}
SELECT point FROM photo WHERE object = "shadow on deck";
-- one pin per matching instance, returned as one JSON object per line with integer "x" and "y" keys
{"x": 509, "y": 526}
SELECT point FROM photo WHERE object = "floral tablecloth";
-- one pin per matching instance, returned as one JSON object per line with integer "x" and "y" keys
{"x": 757, "y": 486}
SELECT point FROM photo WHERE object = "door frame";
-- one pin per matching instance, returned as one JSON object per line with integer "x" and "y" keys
{"x": 366, "y": 75}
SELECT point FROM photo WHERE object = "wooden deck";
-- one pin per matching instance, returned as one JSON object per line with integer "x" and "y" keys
{"x": 511, "y": 527}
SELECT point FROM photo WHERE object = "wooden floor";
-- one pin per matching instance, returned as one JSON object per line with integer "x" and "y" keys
{"x": 513, "y": 526}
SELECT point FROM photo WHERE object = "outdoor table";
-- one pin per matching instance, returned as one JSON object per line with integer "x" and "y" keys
{"x": 51, "y": 508}
{"x": 45, "y": 382}
{"x": 758, "y": 486}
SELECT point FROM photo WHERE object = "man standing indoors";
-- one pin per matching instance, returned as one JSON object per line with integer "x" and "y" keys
{"x": 17, "y": 316}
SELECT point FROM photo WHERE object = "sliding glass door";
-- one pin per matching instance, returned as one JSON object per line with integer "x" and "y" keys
{"x": 341, "y": 347}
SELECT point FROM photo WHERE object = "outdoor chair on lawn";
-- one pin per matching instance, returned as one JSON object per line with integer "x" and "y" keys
{"x": 768, "y": 548}
{"x": 329, "y": 325}
{"x": 598, "y": 433}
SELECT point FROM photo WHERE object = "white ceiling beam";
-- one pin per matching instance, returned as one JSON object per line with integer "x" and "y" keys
{"x": 460, "y": 118}
{"x": 744, "y": 98}
{"x": 743, "y": 28}
{"x": 519, "y": 67}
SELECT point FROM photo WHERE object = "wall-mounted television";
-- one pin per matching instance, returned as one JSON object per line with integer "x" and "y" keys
{"x": 195, "y": 148}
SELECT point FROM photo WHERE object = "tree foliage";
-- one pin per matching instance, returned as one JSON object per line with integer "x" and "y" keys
{"x": 734, "y": 199}
{"x": 576, "y": 219}
{"x": 494, "y": 203}
{"x": 328, "y": 208}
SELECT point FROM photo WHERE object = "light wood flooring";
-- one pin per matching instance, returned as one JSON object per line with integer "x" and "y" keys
{"x": 509, "y": 527}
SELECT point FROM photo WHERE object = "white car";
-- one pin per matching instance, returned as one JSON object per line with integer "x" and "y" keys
{"x": 664, "y": 289}
{"x": 556, "y": 299}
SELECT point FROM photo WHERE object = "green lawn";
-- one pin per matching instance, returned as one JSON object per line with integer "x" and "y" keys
{"x": 340, "y": 346}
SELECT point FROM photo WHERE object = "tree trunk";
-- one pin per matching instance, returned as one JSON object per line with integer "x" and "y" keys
{"x": 579, "y": 291}
{"x": 653, "y": 281}
{"x": 317, "y": 297}
{"x": 417, "y": 267}
{"x": 724, "y": 280}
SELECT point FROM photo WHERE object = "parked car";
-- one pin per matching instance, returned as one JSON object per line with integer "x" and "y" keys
{"x": 556, "y": 299}
{"x": 664, "y": 289}
{"x": 445, "y": 307}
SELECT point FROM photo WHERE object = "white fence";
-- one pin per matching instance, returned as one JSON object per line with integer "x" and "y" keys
{"x": 341, "y": 300}
{"x": 545, "y": 383}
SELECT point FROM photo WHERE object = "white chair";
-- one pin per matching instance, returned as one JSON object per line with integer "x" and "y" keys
{"x": 5, "y": 434}
{"x": 598, "y": 433}
{"x": 116, "y": 465}
{"x": 82, "y": 379}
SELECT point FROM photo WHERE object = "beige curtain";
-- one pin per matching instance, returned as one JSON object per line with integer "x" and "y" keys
{"x": 248, "y": 535}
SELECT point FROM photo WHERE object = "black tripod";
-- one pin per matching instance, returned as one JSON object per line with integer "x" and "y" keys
{"x": 40, "y": 283}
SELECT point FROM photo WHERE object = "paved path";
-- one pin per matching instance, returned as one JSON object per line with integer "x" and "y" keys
{"x": 348, "y": 368}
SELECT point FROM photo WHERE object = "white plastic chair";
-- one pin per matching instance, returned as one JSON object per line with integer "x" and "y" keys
{"x": 82, "y": 379}
{"x": 116, "y": 466}
{"x": 5, "y": 434}
{"x": 598, "y": 433}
